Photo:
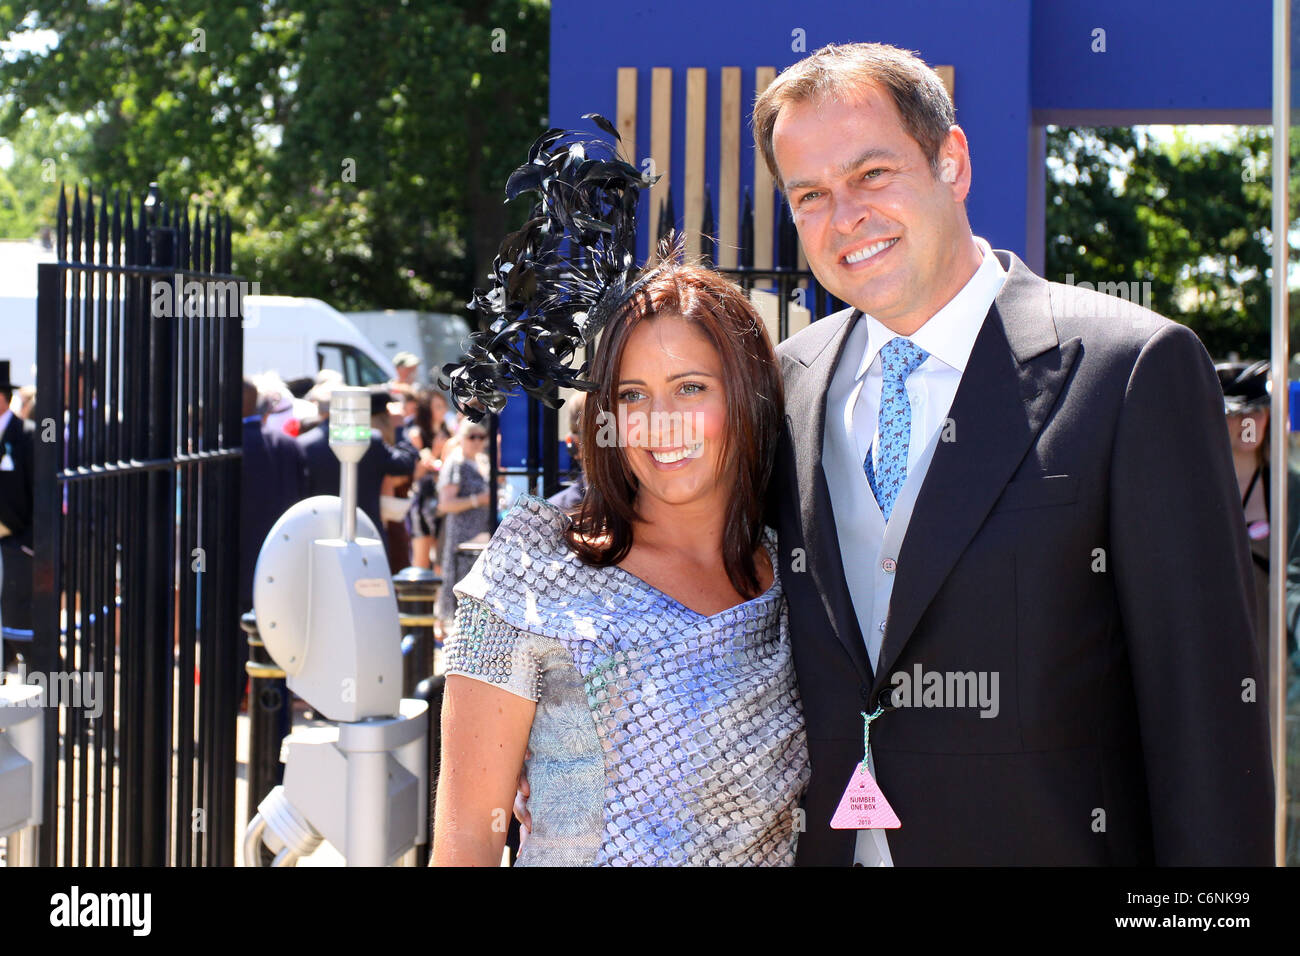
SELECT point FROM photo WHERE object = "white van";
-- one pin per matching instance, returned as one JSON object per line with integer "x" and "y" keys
{"x": 296, "y": 337}
{"x": 436, "y": 338}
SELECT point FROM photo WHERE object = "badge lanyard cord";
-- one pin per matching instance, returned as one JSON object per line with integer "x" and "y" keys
{"x": 866, "y": 737}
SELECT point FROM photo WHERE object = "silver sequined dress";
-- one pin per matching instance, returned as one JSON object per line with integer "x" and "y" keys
{"x": 661, "y": 736}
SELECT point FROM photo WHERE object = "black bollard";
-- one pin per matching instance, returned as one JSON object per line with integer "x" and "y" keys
{"x": 416, "y": 589}
{"x": 430, "y": 690}
{"x": 269, "y": 713}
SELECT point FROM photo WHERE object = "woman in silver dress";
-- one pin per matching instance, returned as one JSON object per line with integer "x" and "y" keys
{"x": 638, "y": 651}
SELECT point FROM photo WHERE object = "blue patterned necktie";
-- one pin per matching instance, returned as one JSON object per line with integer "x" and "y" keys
{"x": 899, "y": 358}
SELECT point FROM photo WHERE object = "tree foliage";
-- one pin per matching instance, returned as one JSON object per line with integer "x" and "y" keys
{"x": 41, "y": 157}
{"x": 1191, "y": 219}
{"x": 362, "y": 148}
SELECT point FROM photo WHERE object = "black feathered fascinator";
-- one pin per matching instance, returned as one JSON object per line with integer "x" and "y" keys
{"x": 547, "y": 301}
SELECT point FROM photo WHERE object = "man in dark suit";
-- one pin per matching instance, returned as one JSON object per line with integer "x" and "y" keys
{"x": 381, "y": 459}
{"x": 1008, "y": 520}
{"x": 16, "y": 440}
{"x": 272, "y": 481}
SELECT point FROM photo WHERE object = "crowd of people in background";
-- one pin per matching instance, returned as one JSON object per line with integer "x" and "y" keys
{"x": 17, "y": 435}
{"x": 1246, "y": 401}
{"x": 423, "y": 483}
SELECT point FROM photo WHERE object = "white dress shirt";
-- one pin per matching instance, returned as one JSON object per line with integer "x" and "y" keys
{"x": 948, "y": 336}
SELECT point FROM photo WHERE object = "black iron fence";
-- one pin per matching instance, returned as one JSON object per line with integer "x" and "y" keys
{"x": 136, "y": 522}
{"x": 786, "y": 280}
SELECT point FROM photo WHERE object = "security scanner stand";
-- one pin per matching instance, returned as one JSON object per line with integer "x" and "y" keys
{"x": 22, "y": 737}
{"x": 327, "y": 613}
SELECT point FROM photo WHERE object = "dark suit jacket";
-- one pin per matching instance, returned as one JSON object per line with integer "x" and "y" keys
{"x": 16, "y": 512}
{"x": 1086, "y": 430}
{"x": 271, "y": 482}
{"x": 380, "y": 460}
{"x": 16, "y": 485}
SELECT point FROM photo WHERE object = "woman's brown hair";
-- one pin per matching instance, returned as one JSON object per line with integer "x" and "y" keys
{"x": 755, "y": 406}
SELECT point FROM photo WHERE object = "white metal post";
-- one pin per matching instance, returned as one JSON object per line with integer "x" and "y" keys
{"x": 1279, "y": 446}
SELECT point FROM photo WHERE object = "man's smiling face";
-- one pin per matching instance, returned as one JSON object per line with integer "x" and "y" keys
{"x": 880, "y": 231}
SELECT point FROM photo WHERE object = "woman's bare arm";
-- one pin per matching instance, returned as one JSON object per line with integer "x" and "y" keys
{"x": 449, "y": 504}
{"x": 484, "y": 736}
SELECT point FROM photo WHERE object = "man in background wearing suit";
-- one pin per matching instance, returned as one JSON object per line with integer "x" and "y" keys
{"x": 16, "y": 441}
{"x": 1008, "y": 521}
{"x": 271, "y": 482}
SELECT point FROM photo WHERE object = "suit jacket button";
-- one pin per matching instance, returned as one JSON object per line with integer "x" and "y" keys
{"x": 884, "y": 701}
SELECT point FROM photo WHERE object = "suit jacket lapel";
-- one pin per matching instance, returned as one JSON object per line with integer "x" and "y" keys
{"x": 806, "y": 386}
{"x": 1017, "y": 368}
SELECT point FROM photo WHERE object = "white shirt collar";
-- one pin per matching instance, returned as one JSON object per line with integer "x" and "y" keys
{"x": 949, "y": 335}
{"x": 4, "y": 420}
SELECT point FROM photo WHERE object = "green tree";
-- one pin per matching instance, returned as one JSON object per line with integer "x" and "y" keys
{"x": 1192, "y": 219}
{"x": 362, "y": 148}
{"x": 41, "y": 155}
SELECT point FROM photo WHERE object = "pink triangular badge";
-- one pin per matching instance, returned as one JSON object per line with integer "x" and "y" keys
{"x": 863, "y": 806}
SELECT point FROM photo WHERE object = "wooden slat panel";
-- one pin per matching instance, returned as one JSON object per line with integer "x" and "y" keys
{"x": 625, "y": 121}
{"x": 661, "y": 141}
{"x": 763, "y": 187}
{"x": 768, "y": 309}
{"x": 946, "y": 74}
{"x": 728, "y": 204}
{"x": 696, "y": 100}
{"x": 800, "y": 315}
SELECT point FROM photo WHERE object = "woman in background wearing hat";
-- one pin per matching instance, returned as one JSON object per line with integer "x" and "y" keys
{"x": 1246, "y": 405}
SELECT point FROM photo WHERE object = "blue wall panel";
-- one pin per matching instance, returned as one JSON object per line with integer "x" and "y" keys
{"x": 1011, "y": 57}
{"x": 987, "y": 41}
{"x": 1160, "y": 55}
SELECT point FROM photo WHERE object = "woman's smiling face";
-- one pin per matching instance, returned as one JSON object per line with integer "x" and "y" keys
{"x": 672, "y": 410}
